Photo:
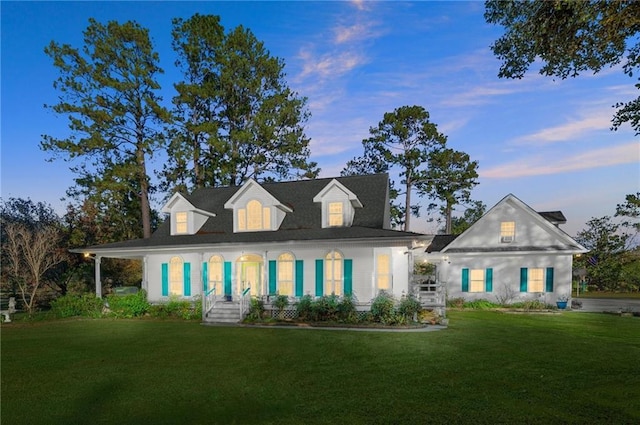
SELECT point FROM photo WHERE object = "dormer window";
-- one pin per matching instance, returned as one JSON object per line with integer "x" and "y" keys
{"x": 507, "y": 231}
{"x": 336, "y": 215}
{"x": 254, "y": 217}
{"x": 181, "y": 222}
{"x": 338, "y": 205}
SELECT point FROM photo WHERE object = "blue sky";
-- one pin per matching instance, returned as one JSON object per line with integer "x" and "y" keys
{"x": 545, "y": 140}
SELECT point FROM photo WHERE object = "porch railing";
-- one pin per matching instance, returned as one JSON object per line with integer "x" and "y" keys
{"x": 245, "y": 301}
{"x": 210, "y": 299}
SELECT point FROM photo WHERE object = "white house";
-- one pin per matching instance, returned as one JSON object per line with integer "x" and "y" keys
{"x": 511, "y": 251}
{"x": 316, "y": 237}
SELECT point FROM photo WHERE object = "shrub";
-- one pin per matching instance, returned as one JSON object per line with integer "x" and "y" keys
{"x": 325, "y": 308}
{"x": 281, "y": 302}
{"x": 304, "y": 307}
{"x": 531, "y": 305}
{"x": 134, "y": 305}
{"x": 409, "y": 305}
{"x": 383, "y": 308}
{"x": 178, "y": 308}
{"x": 256, "y": 309}
{"x": 481, "y": 304}
{"x": 456, "y": 302}
{"x": 347, "y": 309}
{"x": 87, "y": 305}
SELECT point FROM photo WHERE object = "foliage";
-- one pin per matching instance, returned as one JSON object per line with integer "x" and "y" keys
{"x": 29, "y": 253}
{"x": 128, "y": 306}
{"x": 506, "y": 294}
{"x": 457, "y": 302}
{"x": 281, "y": 302}
{"x": 630, "y": 211}
{"x": 604, "y": 241}
{"x": 403, "y": 140}
{"x": 480, "y": 304}
{"x": 236, "y": 117}
{"x": 347, "y": 310}
{"x": 569, "y": 38}
{"x": 325, "y": 308}
{"x": 108, "y": 93}
{"x": 304, "y": 307}
{"x": 86, "y": 305}
{"x": 178, "y": 308}
{"x": 424, "y": 269}
{"x": 383, "y": 308}
{"x": 473, "y": 213}
{"x": 409, "y": 305}
{"x": 256, "y": 309}
{"x": 532, "y": 305}
{"x": 449, "y": 179}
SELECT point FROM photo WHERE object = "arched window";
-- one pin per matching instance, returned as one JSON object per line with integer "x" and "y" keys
{"x": 176, "y": 276}
{"x": 216, "y": 264}
{"x": 333, "y": 277}
{"x": 285, "y": 274}
{"x": 254, "y": 217}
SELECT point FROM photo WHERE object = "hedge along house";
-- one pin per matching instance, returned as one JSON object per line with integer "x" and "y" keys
{"x": 512, "y": 252}
{"x": 315, "y": 237}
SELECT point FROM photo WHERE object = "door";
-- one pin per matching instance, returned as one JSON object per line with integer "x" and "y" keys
{"x": 250, "y": 274}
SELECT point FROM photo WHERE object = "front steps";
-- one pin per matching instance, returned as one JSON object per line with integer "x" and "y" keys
{"x": 224, "y": 312}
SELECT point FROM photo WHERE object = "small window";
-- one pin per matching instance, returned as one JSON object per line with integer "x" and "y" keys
{"x": 383, "y": 272}
{"x": 536, "y": 280}
{"x": 336, "y": 217}
{"x": 181, "y": 222}
{"x": 476, "y": 281}
{"x": 507, "y": 231}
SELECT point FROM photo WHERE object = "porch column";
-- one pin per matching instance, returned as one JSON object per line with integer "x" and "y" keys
{"x": 145, "y": 275}
{"x": 97, "y": 276}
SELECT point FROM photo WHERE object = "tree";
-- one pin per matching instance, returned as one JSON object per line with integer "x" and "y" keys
{"x": 236, "y": 116}
{"x": 403, "y": 140}
{"x": 373, "y": 164}
{"x": 472, "y": 214}
{"x": 605, "y": 244}
{"x": 630, "y": 211}
{"x": 450, "y": 177}
{"x": 30, "y": 253}
{"x": 570, "y": 37}
{"x": 108, "y": 92}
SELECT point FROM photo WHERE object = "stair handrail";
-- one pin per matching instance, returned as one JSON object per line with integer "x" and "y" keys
{"x": 245, "y": 302}
{"x": 210, "y": 299}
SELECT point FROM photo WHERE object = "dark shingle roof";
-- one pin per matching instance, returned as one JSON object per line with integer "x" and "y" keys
{"x": 439, "y": 242}
{"x": 555, "y": 217}
{"x": 303, "y": 223}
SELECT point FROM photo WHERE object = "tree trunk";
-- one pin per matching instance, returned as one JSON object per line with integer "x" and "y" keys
{"x": 407, "y": 206}
{"x": 145, "y": 208}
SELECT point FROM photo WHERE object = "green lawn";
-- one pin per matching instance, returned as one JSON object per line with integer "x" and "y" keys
{"x": 488, "y": 367}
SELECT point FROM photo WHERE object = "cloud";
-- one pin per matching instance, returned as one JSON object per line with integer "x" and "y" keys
{"x": 479, "y": 95}
{"x": 570, "y": 131}
{"x": 354, "y": 33}
{"x": 542, "y": 164}
{"x": 329, "y": 65}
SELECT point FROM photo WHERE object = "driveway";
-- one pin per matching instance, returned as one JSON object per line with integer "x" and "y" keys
{"x": 608, "y": 305}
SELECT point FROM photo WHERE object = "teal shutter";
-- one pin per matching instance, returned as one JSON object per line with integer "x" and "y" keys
{"x": 205, "y": 277}
{"x": 227, "y": 277}
{"x": 348, "y": 277}
{"x": 165, "y": 279}
{"x": 319, "y": 277}
{"x": 272, "y": 277}
{"x": 523, "y": 279}
{"x": 187, "y": 279}
{"x": 299, "y": 278}
{"x": 549, "y": 287}
{"x": 465, "y": 280}
{"x": 488, "y": 280}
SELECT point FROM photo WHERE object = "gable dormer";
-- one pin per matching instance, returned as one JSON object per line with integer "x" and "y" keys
{"x": 255, "y": 209}
{"x": 185, "y": 218}
{"x": 338, "y": 205}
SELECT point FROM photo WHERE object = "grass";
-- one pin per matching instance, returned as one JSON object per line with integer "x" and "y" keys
{"x": 618, "y": 295}
{"x": 488, "y": 367}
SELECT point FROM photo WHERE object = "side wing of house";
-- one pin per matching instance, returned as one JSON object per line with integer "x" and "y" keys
{"x": 511, "y": 253}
